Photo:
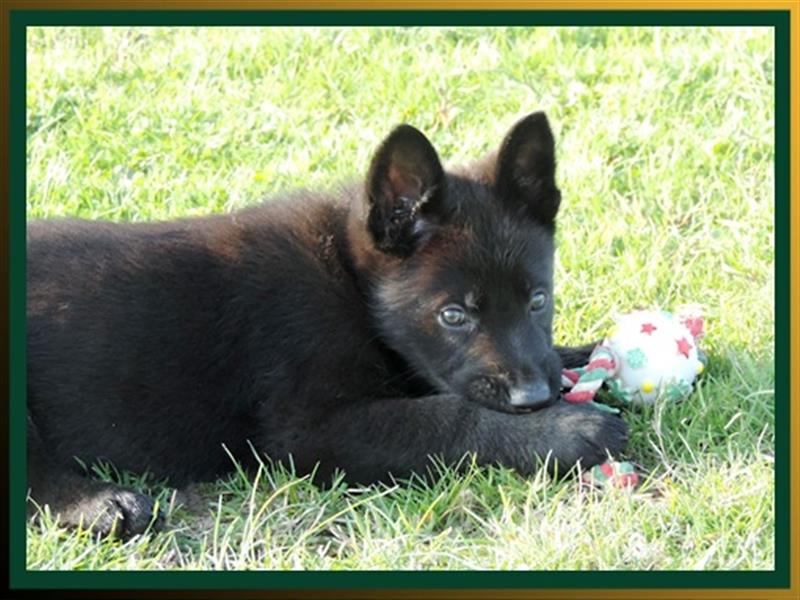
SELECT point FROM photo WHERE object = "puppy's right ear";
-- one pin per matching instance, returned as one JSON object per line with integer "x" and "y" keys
{"x": 405, "y": 186}
{"x": 526, "y": 165}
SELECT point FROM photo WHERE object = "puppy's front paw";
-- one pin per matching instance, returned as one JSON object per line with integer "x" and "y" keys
{"x": 581, "y": 433}
{"x": 602, "y": 434}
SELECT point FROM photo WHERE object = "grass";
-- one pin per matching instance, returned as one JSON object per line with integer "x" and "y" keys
{"x": 665, "y": 143}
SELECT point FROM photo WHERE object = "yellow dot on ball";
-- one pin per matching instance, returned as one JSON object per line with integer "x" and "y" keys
{"x": 613, "y": 331}
{"x": 700, "y": 368}
{"x": 647, "y": 386}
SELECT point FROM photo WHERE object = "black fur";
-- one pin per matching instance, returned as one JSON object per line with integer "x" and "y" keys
{"x": 311, "y": 327}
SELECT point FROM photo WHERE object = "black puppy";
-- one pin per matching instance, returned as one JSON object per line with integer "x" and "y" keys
{"x": 368, "y": 332}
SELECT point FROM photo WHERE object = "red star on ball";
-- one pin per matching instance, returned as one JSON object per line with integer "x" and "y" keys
{"x": 694, "y": 325}
{"x": 648, "y": 328}
{"x": 684, "y": 346}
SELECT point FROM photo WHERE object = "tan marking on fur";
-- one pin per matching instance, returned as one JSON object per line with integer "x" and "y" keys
{"x": 435, "y": 302}
{"x": 483, "y": 350}
{"x": 225, "y": 241}
{"x": 425, "y": 275}
{"x": 429, "y": 310}
{"x": 395, "y": 293}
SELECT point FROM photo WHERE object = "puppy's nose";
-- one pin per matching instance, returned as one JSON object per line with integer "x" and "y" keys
{"x": 532, "y": 395}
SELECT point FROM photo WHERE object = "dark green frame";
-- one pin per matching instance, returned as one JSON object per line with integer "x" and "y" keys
{"x": 19, "y": 577}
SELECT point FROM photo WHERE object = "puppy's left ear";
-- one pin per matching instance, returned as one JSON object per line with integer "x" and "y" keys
{"x": 525, "y": 171}
{"x": 405, "y": 186}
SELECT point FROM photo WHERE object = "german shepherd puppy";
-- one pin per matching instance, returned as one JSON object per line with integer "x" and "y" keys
{"x": 407, "y": 319}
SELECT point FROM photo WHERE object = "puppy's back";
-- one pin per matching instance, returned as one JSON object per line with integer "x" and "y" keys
{"x": 143, "y": 338}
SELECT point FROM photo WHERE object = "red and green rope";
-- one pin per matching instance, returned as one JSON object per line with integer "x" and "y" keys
{"x": 584, "y": 383}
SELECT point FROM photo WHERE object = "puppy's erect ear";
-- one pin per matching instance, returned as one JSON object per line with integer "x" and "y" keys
{"x": 404, "y": 190}
{"x": 525, "y": 171}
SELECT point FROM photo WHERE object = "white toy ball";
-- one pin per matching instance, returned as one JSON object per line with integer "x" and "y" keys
{"x": 656, "y": 355}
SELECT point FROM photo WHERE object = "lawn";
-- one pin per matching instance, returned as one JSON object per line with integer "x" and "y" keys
{"x": 665, "y": 146}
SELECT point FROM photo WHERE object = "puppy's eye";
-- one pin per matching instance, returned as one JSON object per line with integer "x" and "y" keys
{"x": 538, "y": 300}
{"x": 452, "y": 316}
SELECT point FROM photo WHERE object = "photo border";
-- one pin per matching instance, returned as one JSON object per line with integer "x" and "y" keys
{"x": 783, "y": 16}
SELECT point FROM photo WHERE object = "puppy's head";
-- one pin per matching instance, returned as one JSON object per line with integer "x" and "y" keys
{"x": 461, "y": 265}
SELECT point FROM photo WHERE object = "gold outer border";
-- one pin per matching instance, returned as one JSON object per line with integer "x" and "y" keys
{"x": 793, "y": 6}
{"x": 405, "y": 4}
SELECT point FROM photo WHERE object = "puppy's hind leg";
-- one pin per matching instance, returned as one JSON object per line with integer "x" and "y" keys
{"x": 105, "y": 508}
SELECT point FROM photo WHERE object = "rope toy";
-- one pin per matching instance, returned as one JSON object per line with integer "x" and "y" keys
{"x": 617, "y": 474}
{"x": 585, "y": 381}
{"x": 649, "y": 355}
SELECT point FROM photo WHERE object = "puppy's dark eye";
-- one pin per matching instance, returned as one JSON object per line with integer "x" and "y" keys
{"x": 538, "y": 300}
{"x": 452, "y": 316}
